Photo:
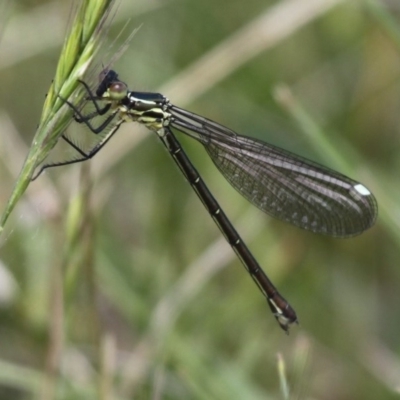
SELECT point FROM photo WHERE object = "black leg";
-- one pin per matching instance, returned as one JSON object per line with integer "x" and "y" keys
{"x": 94, "y": 99}
{"x": 84, "y": 156}
{"x": 87, "y": 120}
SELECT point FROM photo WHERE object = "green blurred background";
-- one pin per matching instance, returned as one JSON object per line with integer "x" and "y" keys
{"x": 114, "y": 281}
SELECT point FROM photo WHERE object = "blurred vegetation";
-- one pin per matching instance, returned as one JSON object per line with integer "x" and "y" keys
{"x": 115, "y": 283}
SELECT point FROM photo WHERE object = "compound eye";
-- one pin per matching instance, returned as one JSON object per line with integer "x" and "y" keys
{"x": 118, "y": 90}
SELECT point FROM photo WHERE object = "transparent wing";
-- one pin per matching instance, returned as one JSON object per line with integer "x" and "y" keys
{"x": 281, "y": 183}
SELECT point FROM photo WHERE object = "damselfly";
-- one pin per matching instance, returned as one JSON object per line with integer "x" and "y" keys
{"x": 278, "y": 182}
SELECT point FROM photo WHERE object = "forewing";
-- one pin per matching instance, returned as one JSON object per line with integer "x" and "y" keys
{"x": 283, "y": 184}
